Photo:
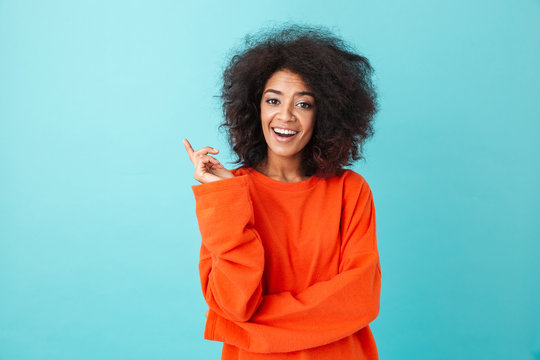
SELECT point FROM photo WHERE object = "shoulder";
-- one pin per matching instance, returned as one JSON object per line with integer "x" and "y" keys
{"x": 352, "y": 176}
{"x": 239, "y": 171}
{"x": 352, "y": 179}
{"x": 354, "y": 185}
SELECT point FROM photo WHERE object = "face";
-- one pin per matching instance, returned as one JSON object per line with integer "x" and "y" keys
{"x": 288, "y": 112}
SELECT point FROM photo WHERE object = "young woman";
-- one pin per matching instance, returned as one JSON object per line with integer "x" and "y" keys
{"x": 289, "y": 263}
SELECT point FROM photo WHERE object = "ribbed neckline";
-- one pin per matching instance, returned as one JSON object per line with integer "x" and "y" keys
{"x": 281, "y": 185}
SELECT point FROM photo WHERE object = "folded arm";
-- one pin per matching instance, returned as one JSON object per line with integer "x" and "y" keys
{"x": 324, "y": 312}
{"x": 232, "y": 256}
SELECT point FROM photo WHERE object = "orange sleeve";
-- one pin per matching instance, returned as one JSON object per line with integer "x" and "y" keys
{"x": 324, "y": 312}
{"x": 232, "y": 257}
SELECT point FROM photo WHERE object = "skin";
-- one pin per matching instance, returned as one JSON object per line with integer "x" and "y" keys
{"x": 286, "y": 103}
{"x": 207, "y": 168}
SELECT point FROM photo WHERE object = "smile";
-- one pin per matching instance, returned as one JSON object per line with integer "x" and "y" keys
{"x": 284, "y": 132}
{"x": 284, "y": 135}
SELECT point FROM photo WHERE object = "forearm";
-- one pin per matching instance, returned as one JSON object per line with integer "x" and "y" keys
{"x": 232, "y": 257}
{"x": 321, "y": 314}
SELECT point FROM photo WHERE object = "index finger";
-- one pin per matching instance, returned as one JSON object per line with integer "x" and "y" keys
{"x": 188, "y": 147}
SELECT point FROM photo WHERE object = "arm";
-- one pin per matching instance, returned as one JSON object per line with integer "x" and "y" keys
{"x": 232, "y": 256}
{"x": 328, "y": 310}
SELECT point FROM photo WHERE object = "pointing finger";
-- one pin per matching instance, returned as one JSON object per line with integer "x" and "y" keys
{"x": 188, "y": 147}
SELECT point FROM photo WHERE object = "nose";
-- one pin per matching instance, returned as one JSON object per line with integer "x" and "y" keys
{"x": 286, "y": 113}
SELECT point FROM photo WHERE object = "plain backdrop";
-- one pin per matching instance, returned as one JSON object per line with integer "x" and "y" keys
{"x": 98, "y": 236}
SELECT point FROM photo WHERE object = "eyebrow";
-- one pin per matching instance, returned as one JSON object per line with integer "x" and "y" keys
{"x": 298, "y": 93}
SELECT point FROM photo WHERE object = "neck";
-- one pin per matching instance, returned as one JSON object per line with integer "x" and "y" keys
{"x": 283, "y": 169}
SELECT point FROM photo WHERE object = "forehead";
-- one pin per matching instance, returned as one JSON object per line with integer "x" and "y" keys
{"x": 286, "y": 79}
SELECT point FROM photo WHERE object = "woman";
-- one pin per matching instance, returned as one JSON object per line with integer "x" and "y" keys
{"x": 289, "y": 263}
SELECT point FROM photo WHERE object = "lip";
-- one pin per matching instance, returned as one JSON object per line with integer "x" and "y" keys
{"x": 283, "y": 139}
{"x": 284, "y": 128}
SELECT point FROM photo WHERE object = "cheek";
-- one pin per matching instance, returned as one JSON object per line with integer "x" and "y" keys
{"x": 264, "y": 114}
{"x": 264, "y": 122}
{"x": 310, "y": 124}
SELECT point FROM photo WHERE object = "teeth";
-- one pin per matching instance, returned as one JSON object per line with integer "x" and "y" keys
{"x": 285, "y": 132}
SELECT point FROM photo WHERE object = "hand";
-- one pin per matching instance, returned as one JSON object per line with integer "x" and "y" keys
{"x": 207, "y": 168}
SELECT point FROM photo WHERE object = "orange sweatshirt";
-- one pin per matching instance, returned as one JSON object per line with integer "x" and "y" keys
{"x": 289, "y": 270}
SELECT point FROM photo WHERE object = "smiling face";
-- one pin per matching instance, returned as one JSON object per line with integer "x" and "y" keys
{"x": 288, "y": 112}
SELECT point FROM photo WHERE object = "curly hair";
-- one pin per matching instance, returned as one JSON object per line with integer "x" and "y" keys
{"x": 341, "y": 83}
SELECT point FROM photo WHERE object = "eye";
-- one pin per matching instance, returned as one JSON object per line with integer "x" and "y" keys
{"x": 272, "y": 101}
{"x": 305, "y": 105}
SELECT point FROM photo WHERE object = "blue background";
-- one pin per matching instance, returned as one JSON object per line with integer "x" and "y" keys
{"x": 99, "y": 240}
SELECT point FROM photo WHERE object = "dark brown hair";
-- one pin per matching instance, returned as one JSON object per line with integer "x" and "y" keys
{"x": 339, "y": 78}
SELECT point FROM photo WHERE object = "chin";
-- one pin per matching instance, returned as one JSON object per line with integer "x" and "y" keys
{"x": 285, "y": 153}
